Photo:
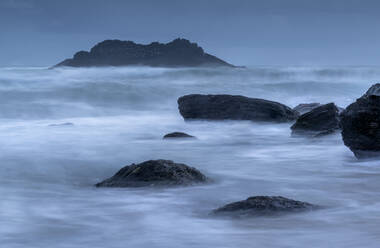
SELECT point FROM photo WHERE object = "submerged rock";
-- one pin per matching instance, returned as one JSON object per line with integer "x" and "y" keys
{"x": 263, "y": 205}
{"x": 179, "y": 52}
{"x": 319, "y": 121}
{"x": 306, "y": 107}
{"x": 360, "y": 123}
{"x": 232, "y": 107}
{"x": 62, "y": 124}
{"x": 154, "y": 173}
{"x": 177, "y": 135}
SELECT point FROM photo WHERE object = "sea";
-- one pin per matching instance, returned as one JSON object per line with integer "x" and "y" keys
{"x": 62, "y": 130}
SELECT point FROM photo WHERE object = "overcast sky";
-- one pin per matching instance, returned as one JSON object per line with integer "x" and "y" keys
{"x": 243, "y": 32}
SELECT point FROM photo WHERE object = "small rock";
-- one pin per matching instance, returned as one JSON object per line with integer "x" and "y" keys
{"x": 62, "y": 124}
{"x": 262, "y": 206}
{"x": 319, "y": 121}
{"x": 154, "y": 173}
{"x": 177, "y": 135}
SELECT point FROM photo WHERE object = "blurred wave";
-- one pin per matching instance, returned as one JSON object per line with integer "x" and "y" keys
{"x": 119, "y": 116}
{"x": 67, "y": 92}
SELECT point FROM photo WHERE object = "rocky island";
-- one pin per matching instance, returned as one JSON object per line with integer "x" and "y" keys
{"x": 177, "y": 53}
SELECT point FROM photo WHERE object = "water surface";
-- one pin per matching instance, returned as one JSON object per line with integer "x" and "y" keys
{"x": 47, "y": 172}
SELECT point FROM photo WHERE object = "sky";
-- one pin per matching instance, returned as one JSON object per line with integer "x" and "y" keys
{"x": 242, "y": 32}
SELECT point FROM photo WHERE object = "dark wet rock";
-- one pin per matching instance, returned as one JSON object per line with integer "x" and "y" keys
{"x": 177, "y": 53}
{"x": 263, "y": 205}
{"x": 306, "y": 107}
{"x": 154, "y": 173}
{"x": 177, "y": 135}
{"x": 318, "y": 122}
{"x": 231, "y": 107}
{"x": 62, "y": 124}
{"x": 360, "y": 123}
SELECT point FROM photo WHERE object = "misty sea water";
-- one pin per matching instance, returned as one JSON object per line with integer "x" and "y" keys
{"x": 119, "y": 115}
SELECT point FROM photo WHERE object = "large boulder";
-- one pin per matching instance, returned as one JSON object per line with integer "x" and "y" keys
{"x": 177, "y": 53}
{"x": 263, "y": 205}
{"x": 154, "y": 173}
{"x": 177, "y": 135}
{"x": 306, "y": 107}
{"x": 232, "y": 107}
{"x": 321, "y": 120}
{"x": 360, "y": 123}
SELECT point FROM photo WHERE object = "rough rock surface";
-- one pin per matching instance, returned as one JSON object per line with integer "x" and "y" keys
{"x": 232, "y": 107}
{"x": 263, "y": 205}
{"x": 177, "y": 53}
{"x": 177, "y": 135}
{"x": 154, "y": 173}
{"x": 321, "y": 120}
{"x": 306, "y": 107}
{"x": 360, "y": 123}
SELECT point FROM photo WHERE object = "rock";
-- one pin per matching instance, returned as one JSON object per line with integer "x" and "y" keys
{"x": 230, "y": 107}
{"x": 319, "y": 121}
{"x": 61, "y": 124}
{"x": 177, "y": 135}
{"x": 179, "y": 52}
{"x": 306, "y": 107}
{"x": 263, "y": 205}
{"x": 360, "y": 123}
{"x": 154, "y": 173}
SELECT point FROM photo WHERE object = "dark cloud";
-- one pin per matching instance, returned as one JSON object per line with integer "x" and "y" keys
{"x": 284, "y": 32}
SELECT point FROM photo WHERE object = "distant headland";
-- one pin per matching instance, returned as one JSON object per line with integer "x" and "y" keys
{"x": 177, "y": 53}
